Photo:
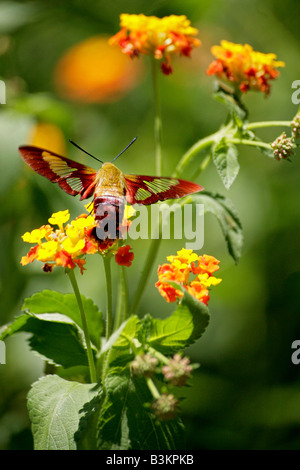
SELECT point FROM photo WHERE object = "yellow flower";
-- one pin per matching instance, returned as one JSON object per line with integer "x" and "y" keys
{"x": 183, "y": 259}
{"x": 73, "y": 248}
{"x": 47, "y": 251}
{"x": 77, "y": 228}
{"x": 59, "y": 218}
{"x": 67, "y": 246}
{"x": 129, "y": 212}
{"x": 208, "y": 281}
{"x": 159, "y": 37}
{"x": 35, "y": 236}
{"x": 241, "y": 65}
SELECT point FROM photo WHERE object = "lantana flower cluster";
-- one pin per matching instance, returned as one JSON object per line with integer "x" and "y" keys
{"x": 180, "y": 269}
{"x": 244, "y": 67}
{"x": 159, "y": 37}
{"x": 66, "y": 244}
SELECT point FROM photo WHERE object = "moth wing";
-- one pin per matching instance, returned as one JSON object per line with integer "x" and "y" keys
{"x": 73, "y": 177}
{"x": 150, "y": 189}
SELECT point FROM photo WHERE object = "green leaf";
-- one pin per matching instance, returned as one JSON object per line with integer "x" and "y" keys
{"x": 54, "y": 336}
{"x": 179, "y": 330}
{"x": 227, "y": 217}
{"x": 125, "y": 423}
{"x": 128, "y": 333}
{"x": 54, "y": 406}
{"x": 120, "y": 342}
{"x": 86, "y": 436}
{"x": 226, "y": 161}
{"x": 48, "y": 301}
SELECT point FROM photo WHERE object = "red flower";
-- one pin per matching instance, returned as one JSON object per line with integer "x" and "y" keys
{"x": 123, "y": 256}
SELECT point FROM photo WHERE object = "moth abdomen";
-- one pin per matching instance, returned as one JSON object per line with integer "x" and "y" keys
{"x": 109, "y": 214}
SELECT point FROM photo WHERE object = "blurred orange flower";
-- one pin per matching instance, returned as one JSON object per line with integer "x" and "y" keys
{"x": 48, "y": 136}
{"x": 93, "y": 71}
{"x": 179, "y": 270}
{"x": 241, "y": 65}
{"x": 160, "y": 37}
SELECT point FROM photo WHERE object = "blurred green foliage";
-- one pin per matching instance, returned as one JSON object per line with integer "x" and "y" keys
{"x": 246, "y": 393}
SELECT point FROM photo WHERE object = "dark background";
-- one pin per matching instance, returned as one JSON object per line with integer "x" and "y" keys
{"x": 246, "y": 393}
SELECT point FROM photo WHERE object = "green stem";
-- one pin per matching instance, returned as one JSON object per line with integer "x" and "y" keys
{"x": 159, "y": 356}
{"x": 154, "y": 392}
{"x": 196, "y": 148}
{"x": 157, "y": 117}
{"x": 124, "y": 294}
{"x": 145, "y": 274}
{"x": 84, "y": 326}
{"x": 206, "y": 161}
{"x": 253, "y": 143}
{"x": 258, "y": 125}
{"x": 107, "y": 269}
{"x": 122, "y": 311}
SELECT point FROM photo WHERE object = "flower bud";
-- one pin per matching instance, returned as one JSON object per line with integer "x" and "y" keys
{"x": 178, "y": 370}
{"x": 144, "y": 365}
{"x": 295, "y": 125}
{"x": 283, "y": 147}
{"x": 165, "y": 407}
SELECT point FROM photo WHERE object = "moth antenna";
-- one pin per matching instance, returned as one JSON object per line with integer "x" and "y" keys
{"x": 73, "y": 143}
{"x": 133, "y": 140}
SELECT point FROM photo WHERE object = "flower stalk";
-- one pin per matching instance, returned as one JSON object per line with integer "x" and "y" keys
{"x": 107, "y": 269}
{"x": 122, "y": 310}
{"x": 157, "y": 117}
{"x": 92, "y": 368}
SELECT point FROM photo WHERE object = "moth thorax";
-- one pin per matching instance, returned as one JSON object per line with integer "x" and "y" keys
{"x": 110, "y": 181}
{"x": 109, "y": 213}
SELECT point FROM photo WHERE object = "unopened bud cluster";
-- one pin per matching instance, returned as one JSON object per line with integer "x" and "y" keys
{"x": 144, "y": 365}
{"x": 283, "y": 147}
{"x": 176, "y": 372}
{"x": 295, "y": 125}
{"x": 165, "y": 407}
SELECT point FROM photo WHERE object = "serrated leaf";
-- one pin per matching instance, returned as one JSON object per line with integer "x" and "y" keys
{"x": 227, "y": 217}
{"x": 120, "y": 341}
{"x": 179, "y": 330}
{"x": 54, "y": 406}
{"x": 48, "y": 301}
{"x": 125, "y": 423}
{"x": 225, "y": 158}
{"x": 55, "y": 337}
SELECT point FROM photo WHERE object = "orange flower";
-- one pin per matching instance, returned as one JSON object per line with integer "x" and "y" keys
{"x": 123, "y": 256}
{"x": 181, "y": 267}
{"x": 206, "y": 264}
{"x": 159, "y": 37}
{"x": 241, "y": 65}
{"x": 94, "y": 72}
